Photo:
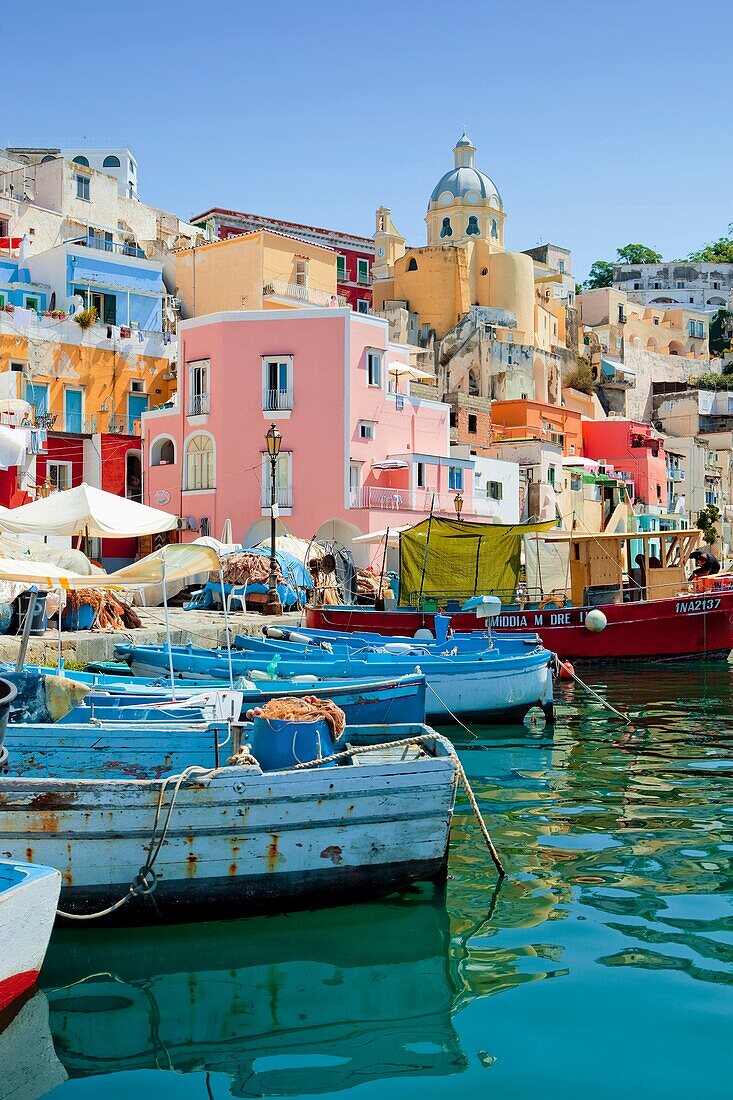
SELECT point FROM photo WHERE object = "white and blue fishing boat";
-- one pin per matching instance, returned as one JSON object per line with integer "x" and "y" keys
{"x": 28, "y": 897}
{"x": 364, "y": 702}
{"x": 488, "y": 680}
{"x": 156, "y": 820}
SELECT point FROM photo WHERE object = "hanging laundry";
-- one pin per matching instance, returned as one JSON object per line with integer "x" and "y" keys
{"x": 22, "y": 318}
{"x": 140, "y": 336}
{"x": 125, "y": 332}
{"x": 166, "y": 337}
{"x": 109, "y": 332}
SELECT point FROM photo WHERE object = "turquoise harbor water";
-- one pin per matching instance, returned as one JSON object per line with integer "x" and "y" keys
{"x": 602, "y": 967}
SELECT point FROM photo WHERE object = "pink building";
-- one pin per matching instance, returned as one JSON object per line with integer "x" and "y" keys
{"x": 632, "y": 448}
{"x": 356, "y": 455}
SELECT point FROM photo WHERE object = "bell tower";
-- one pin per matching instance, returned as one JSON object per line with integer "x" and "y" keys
{"x": 389, "y": 244}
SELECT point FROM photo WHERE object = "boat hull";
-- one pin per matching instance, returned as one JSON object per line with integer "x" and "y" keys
{"x": 239, "y": 841}
{"x": 482, "y": 686}
{"x": 689, "y": 626}
{"x": 28, "y": 898}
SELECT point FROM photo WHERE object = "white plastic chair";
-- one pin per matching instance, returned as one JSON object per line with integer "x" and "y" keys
{"x": 237, "y": 592}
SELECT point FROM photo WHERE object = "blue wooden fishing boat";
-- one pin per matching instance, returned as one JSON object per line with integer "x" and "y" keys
{"x": 494, "y": 682}
{"x": 148, "y": 821}
{"x": 364, "y": 702}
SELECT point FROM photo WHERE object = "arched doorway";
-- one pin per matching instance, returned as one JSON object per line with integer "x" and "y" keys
{"x": 339, "y": 530}
{"x": 134, "y": 476}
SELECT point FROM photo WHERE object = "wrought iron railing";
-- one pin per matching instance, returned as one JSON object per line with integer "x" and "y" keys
{"x": 277, "y": 400}
{"x": 199, "y": 404}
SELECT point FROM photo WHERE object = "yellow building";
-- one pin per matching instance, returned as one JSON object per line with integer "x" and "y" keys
{"x": 261, "y": 270}
{"x": 463, "y": 286}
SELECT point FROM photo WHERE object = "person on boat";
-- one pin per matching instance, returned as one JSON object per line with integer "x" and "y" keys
{"x": 654, "y": 563}
{"x": 706, "y": 561}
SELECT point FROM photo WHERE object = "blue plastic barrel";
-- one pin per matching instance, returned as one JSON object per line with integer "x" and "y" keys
{"x": 277, "y": 743}
{"x": 80, "y": 618}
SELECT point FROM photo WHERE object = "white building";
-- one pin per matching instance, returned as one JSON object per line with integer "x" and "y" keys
{"x": 119, "y": 163}
{"x": 495, "y": 488}
{"x": 701, "y": 286}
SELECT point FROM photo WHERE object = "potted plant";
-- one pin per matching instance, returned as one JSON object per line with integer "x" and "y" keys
{"x": 85, "y": 318}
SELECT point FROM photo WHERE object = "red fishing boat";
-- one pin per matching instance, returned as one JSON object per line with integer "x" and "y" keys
{"x": 606, "y": 610}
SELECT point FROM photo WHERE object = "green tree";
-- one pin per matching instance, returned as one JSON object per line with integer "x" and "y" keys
{"x": 720, "y": 251}
{"x": 721, "y": 332}
{"x": 637, "y": 254}
{"x": 706, "y": 520}
{"x": 600, "y": 274}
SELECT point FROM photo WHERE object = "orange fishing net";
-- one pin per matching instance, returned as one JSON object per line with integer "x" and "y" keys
{"x": 307, "y": 709}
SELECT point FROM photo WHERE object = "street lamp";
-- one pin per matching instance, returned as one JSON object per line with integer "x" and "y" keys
{"x": 458, "y": 504}
{"x": 274, "y": 439}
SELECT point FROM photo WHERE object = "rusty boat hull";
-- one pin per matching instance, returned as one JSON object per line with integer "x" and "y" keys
{"x": 235, "y": 840}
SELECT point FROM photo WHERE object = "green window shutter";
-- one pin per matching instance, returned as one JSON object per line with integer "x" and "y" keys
{"x": 110, "y": 309}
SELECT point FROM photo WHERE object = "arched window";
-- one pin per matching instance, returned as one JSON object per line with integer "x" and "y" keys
{"x": 494, "y": 229}
{"x": 412, "y": 265}
{"x": 47, "y": 158}
{"x": 81, "y": 160}
{"x": 200, "y": 462}
{"x": 163, "y": 451}
{"x": 111, "y": 162}
{"x": 472, "y": 228}
{"x": 446, "y": 230}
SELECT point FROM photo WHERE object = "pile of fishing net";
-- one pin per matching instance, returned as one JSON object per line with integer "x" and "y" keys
{"x": 307, "y": 709}
{"x": 249, "y": 569}
{"x": 111, "y": 612}
{"x": 369, "y": 585}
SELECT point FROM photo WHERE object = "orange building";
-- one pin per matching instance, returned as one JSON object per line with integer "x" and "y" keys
{"x": 537, "y": 420}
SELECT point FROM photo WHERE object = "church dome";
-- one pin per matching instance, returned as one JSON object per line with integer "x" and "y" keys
{"x": 464, "y": 182}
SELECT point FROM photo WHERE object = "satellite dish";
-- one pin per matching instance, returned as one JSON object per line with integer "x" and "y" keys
{"x": 29, "y": 196}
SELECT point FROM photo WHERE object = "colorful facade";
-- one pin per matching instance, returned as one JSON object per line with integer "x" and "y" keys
{"x": 354, "y": 255}
{"x": 356, "y": 454}
{"x": 634, "y": 449}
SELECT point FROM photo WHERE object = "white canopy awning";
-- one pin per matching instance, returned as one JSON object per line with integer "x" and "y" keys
{"x": 171, "y": 563}
{"x": 391, "y": 533}
{"x": 86, "y": 511}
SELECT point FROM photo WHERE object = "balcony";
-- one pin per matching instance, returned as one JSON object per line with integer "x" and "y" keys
{"x": 277, "y": 400}
{"x": 117, "y": 248}
{"x": 199, "y": 404}
{"x": 294, "y": 292}
{"x": 283, "y": 496}
{"x": 71, "y": 424}
{"x": 405, "y": 500}
{"x": 676, "y": 475}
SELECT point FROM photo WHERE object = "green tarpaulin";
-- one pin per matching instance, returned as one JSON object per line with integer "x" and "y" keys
{"x": 445, "y": 558}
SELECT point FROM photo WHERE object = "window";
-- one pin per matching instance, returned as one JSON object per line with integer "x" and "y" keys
{"x": 362, "y": 305}
{"x": 362, "y": 270}
{"x": 73, "y": 409}
{"x": 137, "y": 385}
{"x": 81, "y": 160}
{"x": 58, "y": 474}
{"x": 301, "y": 272}
{"x": 277, "y": 384}
{"x": 472, "y": 423}
{"x": 82, "y": 188}
{"x": 37, "y": 395}
{"x": 374, "y": 368}
{"x": 445, "y": 229}
{"x": 551, "y": 475}
{"x": 30, "y": 301}
{"x": 680, "y": 285}
{"x": 341, "y": 268}
{"x": 420, "y": 475}
{"x": 472, "y": 229}
{"x": 200, "y": 462}
{"x": 700, "y": 329}
{"x": 366, "y": 429}
{"x": 495, "y": 490}
{"x": 198, "y": 387}
{"x": 455, "y": 478}
{"x": 412, "y": 265}
{"x": 111, "y": 162}
{"x": 561, "y": 269}
{"x": 494, "y": 229}
{"x": 621, "y": 315}
{"x": 3, "y": 300}
{"x": 637, "y": 286}
{"x": 163, "y": 452}
{"x": 657, "y": 286}
{"x": 692, "y": 328}
{"x": 283, "y": 480}
{"x": 47, "y": 158}
{"x": 131, "y": 166}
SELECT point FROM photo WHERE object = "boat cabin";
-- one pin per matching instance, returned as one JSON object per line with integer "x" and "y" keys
{"x": 611, "y": 568}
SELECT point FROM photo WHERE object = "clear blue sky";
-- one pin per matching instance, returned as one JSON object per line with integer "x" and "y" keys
{"x": 602, "y": 123}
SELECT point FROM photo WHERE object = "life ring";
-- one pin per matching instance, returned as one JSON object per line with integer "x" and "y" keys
{"x": 552, "y": 601}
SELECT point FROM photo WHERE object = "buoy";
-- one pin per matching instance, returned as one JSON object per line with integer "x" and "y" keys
{"x": 596, "y": 621}
{"x": 567, "y": 672}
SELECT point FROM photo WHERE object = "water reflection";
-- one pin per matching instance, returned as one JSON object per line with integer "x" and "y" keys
{"x": 618, "y": 844}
